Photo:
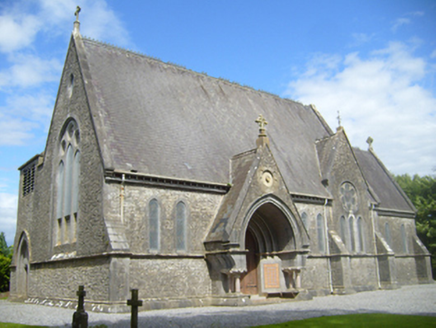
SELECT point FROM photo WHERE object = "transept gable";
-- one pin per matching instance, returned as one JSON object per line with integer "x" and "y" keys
{"x": 74, "y": 104}
{"x": 342, "y": 176}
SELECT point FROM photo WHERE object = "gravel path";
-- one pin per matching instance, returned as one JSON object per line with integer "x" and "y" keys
{"x": 419, "y": 300}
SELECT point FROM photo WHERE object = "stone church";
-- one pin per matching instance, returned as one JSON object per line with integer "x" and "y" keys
{"x": 198, "y": 191}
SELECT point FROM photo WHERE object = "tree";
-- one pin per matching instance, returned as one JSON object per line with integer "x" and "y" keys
{"x": 422, "y": 193}
{"x": 5, "y": 262}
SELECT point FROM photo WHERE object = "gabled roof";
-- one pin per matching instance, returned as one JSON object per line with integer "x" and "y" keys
{"x": 389, "y": 193}
{"x": 161, "y": 119}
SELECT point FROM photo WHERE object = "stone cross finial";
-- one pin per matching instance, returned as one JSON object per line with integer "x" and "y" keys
{"x": 76, "y": 29}
{"x": 369, "y": 141}
{"x": 262, "y": 122}
{"x": 339, "y": 118}
{"x": 262, "y": 139}
{"x": 134, "y": 303}
{"x": 77, "y": 13}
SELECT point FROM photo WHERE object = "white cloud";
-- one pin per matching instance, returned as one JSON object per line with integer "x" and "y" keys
{"x": 400, "y": 22}
{"x": 379, "y": 96}
{"x": 101, "y": 23}
{"x": 18, "y": 31}
{"x": 14, "y": 131}
{"x": 361, "y": 38}
{"x": 29, "y": 71}
{"x": 23, "y": 115}
{"x": 8, "y": 215}
{"x": 21, "y": 21}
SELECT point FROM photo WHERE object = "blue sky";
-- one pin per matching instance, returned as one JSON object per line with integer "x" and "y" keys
{"x": 374, "y": 61}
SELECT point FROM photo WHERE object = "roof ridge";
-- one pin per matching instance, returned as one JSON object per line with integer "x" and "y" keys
{"x": 184, "y": 68}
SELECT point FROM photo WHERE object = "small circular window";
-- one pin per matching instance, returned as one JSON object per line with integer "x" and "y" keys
{"x": 348, "y": 195}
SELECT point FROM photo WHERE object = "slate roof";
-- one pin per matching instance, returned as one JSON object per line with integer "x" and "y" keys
{"x": 161, "y": 119}
{"x": 387, "y": 192}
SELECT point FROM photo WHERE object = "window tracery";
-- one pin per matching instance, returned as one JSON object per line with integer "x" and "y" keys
{"x": 67, "y": 181}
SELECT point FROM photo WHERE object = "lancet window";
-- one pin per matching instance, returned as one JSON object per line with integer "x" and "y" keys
{"x": 67, "y": 182}
{"x": 321, "y": 233}
{"x": 343, "y": 230}
{"x": 388, "y": 234}
{"x": 181, "y": 226}
{"x": 352, "y": 239}
{"x": 360, "y": 236}
{"x": 154, "y": 224}
{"x": 404, "y": 238}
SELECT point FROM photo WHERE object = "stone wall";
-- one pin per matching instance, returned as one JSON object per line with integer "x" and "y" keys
{"x": 176, "y": 278}
{"x": 60, "y": 279}
{"x": 363, "y": 273}
{"x": 200, "y": 211}
{"x": 315, "y": 276}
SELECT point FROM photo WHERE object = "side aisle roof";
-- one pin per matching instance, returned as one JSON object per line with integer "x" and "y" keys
{"x": 389, "y": 194}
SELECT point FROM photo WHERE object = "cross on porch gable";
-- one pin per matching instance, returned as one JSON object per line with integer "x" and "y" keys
{"x": 261, "y": 121}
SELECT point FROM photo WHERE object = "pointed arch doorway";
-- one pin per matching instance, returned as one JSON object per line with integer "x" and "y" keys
{"x": 23, "y": 269}
{"x": 267, "y": 233}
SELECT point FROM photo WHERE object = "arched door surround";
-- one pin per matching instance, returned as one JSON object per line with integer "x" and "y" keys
{"x": 23, "y": 266}
{"x": 272, "y": 240}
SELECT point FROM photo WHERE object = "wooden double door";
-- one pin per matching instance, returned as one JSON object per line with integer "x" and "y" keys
{"x": 249, "y": 281}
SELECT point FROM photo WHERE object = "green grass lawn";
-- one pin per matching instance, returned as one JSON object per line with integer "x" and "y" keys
{"x": 352, "y": 321}
{"x": 362, "y": 320}
{"x": 17, "y": 325}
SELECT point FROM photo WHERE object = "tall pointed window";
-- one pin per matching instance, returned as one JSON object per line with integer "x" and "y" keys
{"x": 67, "y": 184}
{"x": 388, "y": 234}
{"x": 404, "y": 239}
{"x": 153, "y": 215}
{"x": 321, "y": 233}
{"x": 343, "y": 230}
{"x": 351, "y": 247}
{"x": 181, "y": 226}
{"x": 360, "y": 236}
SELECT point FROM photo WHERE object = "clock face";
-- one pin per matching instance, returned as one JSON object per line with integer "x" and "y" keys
{"x": 348, "y": 195}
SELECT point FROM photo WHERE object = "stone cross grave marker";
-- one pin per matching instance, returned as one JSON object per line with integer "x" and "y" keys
{"x": 80, "y": 317}
{"x": 134, "y": 303}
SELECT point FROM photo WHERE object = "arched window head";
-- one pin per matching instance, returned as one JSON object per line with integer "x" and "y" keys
{"x": 321, "y": 233}
{"x": 181, "y": 226}
{"x": 154, "y": 224}
{"x": 67, "y": 183}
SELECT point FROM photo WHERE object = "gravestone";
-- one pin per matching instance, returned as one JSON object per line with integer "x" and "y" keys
{"x": 134, "y": 303}
{"x": 80, "y": 317}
